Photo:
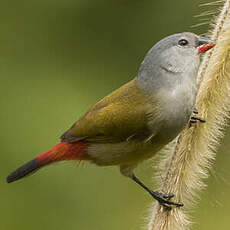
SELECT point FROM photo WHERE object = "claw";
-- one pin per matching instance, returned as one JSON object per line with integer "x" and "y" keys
{"x": 200, "y": 119}
{"x": 166, "y": 206}
{"x": 164, "y": 200}
{"x": 168, "y": 196}
{"x": 195, "y": 111}
{"x": 194, "y": 118}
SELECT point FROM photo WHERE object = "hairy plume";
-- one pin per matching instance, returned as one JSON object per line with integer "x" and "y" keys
{"x": 193, "y": 152}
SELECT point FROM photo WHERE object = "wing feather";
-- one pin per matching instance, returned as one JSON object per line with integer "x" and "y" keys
{"x": 122, "y": 115}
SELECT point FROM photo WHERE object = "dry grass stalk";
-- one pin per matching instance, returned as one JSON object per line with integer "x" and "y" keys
{"x": 195, "y": 148}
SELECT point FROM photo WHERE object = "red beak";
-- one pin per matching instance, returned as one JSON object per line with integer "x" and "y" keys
{"x": 205, "y": 44}
{"x": 205, "y": 47}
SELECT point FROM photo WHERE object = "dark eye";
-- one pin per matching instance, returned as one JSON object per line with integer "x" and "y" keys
{"x": 183, "y": 42}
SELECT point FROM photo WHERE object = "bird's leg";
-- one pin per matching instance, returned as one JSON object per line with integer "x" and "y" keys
{"x": 163, "y": 199}
{"x": 195, "y": 118}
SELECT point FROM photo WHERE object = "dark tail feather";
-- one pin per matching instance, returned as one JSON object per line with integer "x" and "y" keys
{"x": 24, "y": 170}
{"x": 60, "y": 152}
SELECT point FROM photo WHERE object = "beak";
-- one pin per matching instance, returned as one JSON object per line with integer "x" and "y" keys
{"x": 205, "y": 44}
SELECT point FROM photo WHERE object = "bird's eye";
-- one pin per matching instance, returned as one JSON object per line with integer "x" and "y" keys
{"x": 183, "y": 42}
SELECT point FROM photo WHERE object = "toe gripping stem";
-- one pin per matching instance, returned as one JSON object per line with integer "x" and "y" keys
{"x": 163, "y": 199}
{"x": 195, "y": 118}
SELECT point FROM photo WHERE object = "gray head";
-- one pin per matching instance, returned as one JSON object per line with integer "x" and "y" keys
{"x": 176, "y": 56}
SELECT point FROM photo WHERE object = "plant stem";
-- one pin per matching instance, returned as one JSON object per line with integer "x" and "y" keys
{"x": 194, "y": 149}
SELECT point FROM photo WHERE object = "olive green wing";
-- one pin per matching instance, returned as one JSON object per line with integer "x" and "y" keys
{"x": 122, "y": 115}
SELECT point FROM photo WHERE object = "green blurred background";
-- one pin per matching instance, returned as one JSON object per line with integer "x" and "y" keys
{"x": 57, "y": 58}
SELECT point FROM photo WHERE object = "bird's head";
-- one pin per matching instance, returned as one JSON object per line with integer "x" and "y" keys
{"x": 176, "y": 54}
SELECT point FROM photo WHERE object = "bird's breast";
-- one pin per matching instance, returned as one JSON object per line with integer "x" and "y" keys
{"x": 176, "y": 108}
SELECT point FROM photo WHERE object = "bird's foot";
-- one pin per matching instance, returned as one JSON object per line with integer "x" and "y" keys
{"x": 195, "y": 111}
{"x": 195, "y": 118}
{"x": 164, "y": 200}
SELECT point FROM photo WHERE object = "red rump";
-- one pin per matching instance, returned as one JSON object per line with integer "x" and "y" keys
{"x": 64, "y": 151}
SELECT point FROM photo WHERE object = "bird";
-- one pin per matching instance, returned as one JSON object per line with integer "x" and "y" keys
{"x": 137, "y": 120}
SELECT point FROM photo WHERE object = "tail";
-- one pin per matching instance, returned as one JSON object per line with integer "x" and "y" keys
{"x": 60, "y": 152}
